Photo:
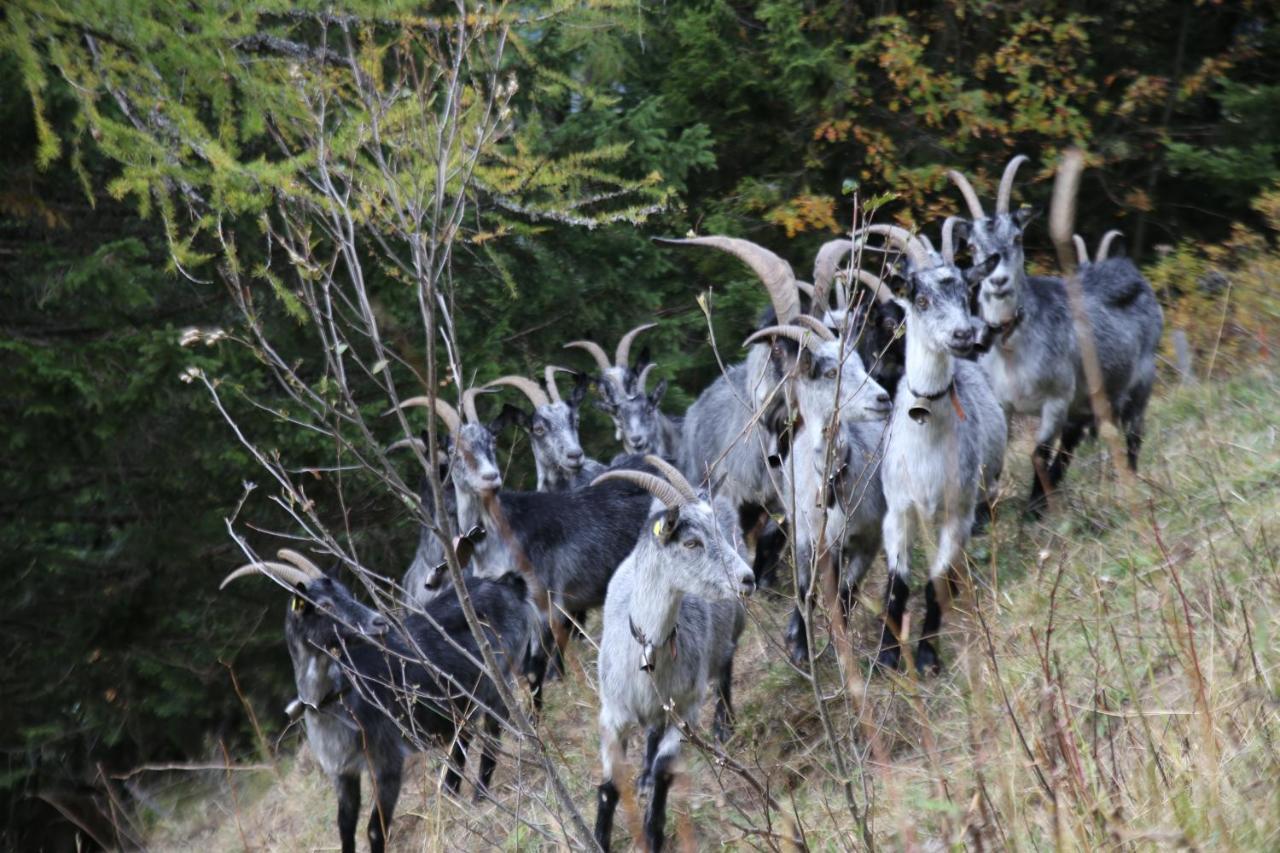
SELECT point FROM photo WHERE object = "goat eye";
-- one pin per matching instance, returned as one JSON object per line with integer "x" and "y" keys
{"x": 539, "y": 430}
{"x": 1017, "y": 239}
{"x": 831, "y": 373}
{"x": 692, "y": 543}
{"x": 922, "y": 302}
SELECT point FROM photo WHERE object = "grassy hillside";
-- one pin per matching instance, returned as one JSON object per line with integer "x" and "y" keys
{"x": 1111, "y": 681}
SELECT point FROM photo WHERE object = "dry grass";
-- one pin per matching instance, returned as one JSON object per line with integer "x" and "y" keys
{"x": 1111, "y": 683}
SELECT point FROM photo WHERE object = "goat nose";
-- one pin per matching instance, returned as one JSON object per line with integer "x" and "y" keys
{"x": 574, "y": 455}
{"x": 883, "y": 398}
{"x": 378, "y": 625}
{"x": 962, "y": 337}
{"x": 640, "y": 444}
{"x": 998, "y": 281}
{"x": 748, "y": 583}
{"x": 492, "y": 478}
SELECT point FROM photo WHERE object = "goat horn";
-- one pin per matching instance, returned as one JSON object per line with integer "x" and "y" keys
{"x": 549, "y": 374}
{"x": 674, "y": 477}
{"x": 1104, "y": 247}
{"x": 904, "y": 241}
{"x": 654, "y": 485}
{"x": 406, "y": 442}
{"x": 966, "y": 190}
{"x": 1082, "y": 250}
{"x": 447, "y": 413}
{"x": 878, "y": 287}
{"x": 799, "y": 334}
{"x": 815, "y": 325}
{"x": 949, "y": 239}
{"x": 1062, "y": 210}
{"x": 806, "y": 288}
{"x": 602, "y": 360}
{"x": 644, "y": 376}
{"x": 622, "y": 355}
{"x": 469, "y": 403}
{"x": 288, "y": 575}
{"x": 1006, "y": 183}
{"x": 527, "y": 387}
{"x": 773, "y": 271}
{"x": 825, "y": 267}
{"x": 303, "y": 563}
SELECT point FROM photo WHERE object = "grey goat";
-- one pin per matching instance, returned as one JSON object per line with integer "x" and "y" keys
{"x": 671, "y": 623}
{"x": 1036, "y": 361}
{"x": 371, "y": 689}
{"x": 946, "y": 442}
{"x": 835, "y": 500}
{"x": 553, "y": 432}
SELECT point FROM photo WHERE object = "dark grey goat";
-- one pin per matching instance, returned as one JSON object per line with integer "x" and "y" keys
{"x": 372, "y": 690}
{"x": 1034, "y": 356}
{"x": 568, "y": 544}
{"x": 553, "y": 432}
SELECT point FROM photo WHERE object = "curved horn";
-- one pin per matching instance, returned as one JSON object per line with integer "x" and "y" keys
{"x": 806, "y": 288}
{"x": 622, "y": 356}
{"x": 799, "y": 334}
{"x": 1006, "y": 183}
{"x": 1105, "y": 245}
{"x": 280, "y": 572}
{"x": 674, "y": 477}
{"x": 878, "y": 287}
{"x": 602, "y": 360}
{"x": 904, "y": 241}
{"x": 654, "y": 485}
{"x": 446, "y": 413}
{"x": 966, "y": 190}
{"x": 949, "y": 239}
{"x": 644, "y": 376}
{"x": 825, "y": 267}
{"x": 469, "y": 404}
{"x": 525, "y": 386}
{"x": 1082, "y": 250}
{"x": 815, "y": 325}
{"x": 1062, "y": 209}
{"x": 773, "y": 271}
{"x": 406, "y": 442}
{"x": 303, "y": 563}
{"x": 549, "y": 375}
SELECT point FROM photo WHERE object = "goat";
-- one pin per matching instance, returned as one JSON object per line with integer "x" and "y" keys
{"x": 634, "y": 411}
{"x": 946, "y": 439}
{"x": 426, "y": 572}
{"x": 568, "y": 543}
{"x": 371, "y": 691}
{"x": 553, "y": 432}
{"x": 671, "y": 622}
{"x": 834, "y": 463}
{"x": 874, "y": 325}
{"x": 1038, "y": 339}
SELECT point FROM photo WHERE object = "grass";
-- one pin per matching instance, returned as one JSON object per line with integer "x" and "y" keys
{"x": 1111, "y": 681}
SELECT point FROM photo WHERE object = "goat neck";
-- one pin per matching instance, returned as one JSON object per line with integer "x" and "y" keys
{"x": 655, "y": 602}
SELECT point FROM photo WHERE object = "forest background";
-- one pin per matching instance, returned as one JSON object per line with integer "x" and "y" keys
{"x": 753, "y": 119}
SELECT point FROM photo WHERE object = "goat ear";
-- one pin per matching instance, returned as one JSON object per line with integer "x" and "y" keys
{"x": 805, "y": 362}
{"x": 976, "y": 273}
{"x": 509, "y": 415}
{"x": 655, "y": 396}
{"x": 581, "y": 382}
{"x": 605, "y": 401}
{"x": 1024, "y": 215}
{"x": 665, "y": 527}
{"x": 963, "y": 233}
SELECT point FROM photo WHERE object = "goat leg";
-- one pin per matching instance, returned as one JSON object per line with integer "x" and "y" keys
{"x": 348, "y": 790}
{"x": 387, "y": 782}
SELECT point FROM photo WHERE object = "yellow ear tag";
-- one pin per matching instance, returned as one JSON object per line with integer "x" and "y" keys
{"x": 298, "y": 603}
{"x": 657, "y": 527}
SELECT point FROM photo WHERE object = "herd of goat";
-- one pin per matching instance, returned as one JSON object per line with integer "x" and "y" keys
{"x": 871, "y": 407}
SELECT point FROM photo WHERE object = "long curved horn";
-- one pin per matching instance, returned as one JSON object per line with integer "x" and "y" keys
{"x": 1006, "y": 183}
{"x": 1104, "y": 247}
{"x": 1062, "y": 209}
{"x": 674, "y": 477}
{"x": 622, "y": 355}
{"x": 549, "y": 375}
{"x": 815, "y": 325}
{"x": 949, "y": 239}
{"x": 966, "y": 190}
{"x": 825, "y": 267}
{"x": 447, "y": 413}
{"x": 303, "y": 563}
{"x": 469, "y": 403}
{"x": 806, "y": 288}
{"x": 775, "y": 273}
{"x": 644, "y": 376}
{"x": 878, "y": 287}
{"x": 654, "y": 485}
{"x": 525, "y": 386}
{"x": 799, "y": 334}
{"x": 406, "y": 442}
{"x": 288, "y": 575}
{"x": 904, "y": 241}
{"x": 602, "y": 360}
{"x": 1082, "y": 250}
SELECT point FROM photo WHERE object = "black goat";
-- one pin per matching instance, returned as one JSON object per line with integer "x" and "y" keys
{"x": 371, "y": 690}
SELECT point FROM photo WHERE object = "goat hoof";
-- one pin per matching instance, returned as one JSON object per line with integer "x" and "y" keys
{"x": 888, "y": 660}
{"x": 927, "y": 661}
{"x": 722, "y": 732}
